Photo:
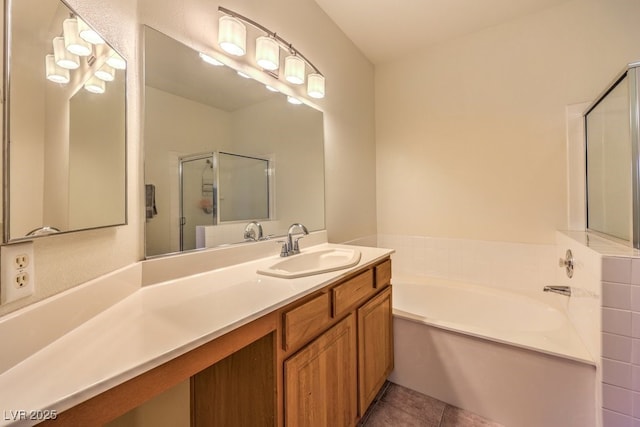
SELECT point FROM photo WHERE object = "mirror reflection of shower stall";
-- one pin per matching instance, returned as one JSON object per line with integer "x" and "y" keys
{"x": 197, "y": 196}
{"x": 221, "y": 187}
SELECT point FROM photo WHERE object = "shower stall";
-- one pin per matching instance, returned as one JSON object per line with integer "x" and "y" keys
{"x": 612, "y": 128}
{"x": 220, "y": 187}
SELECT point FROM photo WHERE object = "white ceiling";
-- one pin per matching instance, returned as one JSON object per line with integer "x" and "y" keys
{"x": 384, "y": 30}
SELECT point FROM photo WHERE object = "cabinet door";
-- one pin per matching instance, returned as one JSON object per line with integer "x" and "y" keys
{"x": 375, "y": 347}
{"x": 320, "y": 380}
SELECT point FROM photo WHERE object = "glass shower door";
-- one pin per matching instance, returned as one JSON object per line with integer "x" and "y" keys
{"x": 198, "y": 194}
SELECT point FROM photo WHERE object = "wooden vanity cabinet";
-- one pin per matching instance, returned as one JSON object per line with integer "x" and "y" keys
{"x": 333, "y": 366}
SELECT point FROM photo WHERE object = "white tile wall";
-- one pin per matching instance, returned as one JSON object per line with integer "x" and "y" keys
{"x": 621, "y": 341}
{"x": 502, "y": 264}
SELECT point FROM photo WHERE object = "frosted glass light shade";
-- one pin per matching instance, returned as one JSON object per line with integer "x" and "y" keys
{"x": 293, "y": 100}
{"x": 88, "y": 34}
{"x": 315, "y": 85}
{"x": 95, "y": 85}
{"x": 72, "y": 40}
{"x": 294, "y": 69}
{"x": 63, "y": 57}
{"x": 210, "y": 59}
{"x": 267, "y": 53}
{"x": 106, "y": 73}
{"x": 116, "y": 61}
{"x": 55, "y": 73}
{"x": 232, "y": 35}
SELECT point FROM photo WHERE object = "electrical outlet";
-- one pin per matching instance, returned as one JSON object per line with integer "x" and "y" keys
{"x": 17, "y": 271}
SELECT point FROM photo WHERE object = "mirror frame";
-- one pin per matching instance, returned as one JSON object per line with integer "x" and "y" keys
{"x": 6, "y": 132}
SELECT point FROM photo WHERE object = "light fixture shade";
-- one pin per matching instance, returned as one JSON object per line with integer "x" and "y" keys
{"x": 243, "y": 74}
{"x": 232, "y": 35}
{"x": 106, "y": 73}
{"x": 95, "y": 85}
{"x": 54, "y": 72}
{"x": 210, "y": 59}
{"x": 267, "y": 53}
{"x": 315, "y": 85}
{"x": 63, "y": 57}
{"x": 88, "y": 34}
{"x": 116, "y": 61}
{"x": 293, "y": 100}
{"x": 271, "y": 88}
{"x": 294, "y": 69}
{"x": 72, "y": 40}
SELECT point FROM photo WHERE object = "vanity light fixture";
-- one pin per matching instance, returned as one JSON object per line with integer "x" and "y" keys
{"x": 210, "y": 59}
{"x": 294, "y": 69}
{"x": 88, "y": 34}
{"x": 56, "y": 73}
{"x": 232, "y": 35}
{"x": 268, "y": 52}
{"x": 63, "y": 57}
{"x": 315, "y": 85}
{"x": 106, "y": 73}
{"x": 116, "y": 61}
{"x": 95, "y": 85}
{"x": 72, "y": 40}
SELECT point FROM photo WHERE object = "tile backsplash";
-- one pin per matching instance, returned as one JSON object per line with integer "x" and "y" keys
{"x": 518, "y": 266}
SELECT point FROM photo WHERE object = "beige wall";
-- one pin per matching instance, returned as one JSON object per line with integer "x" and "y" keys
{"x": 64, "y": 261}
{"x": 471, "y": 133}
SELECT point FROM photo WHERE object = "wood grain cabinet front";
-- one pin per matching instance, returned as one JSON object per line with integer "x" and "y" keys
{"x": 320, "y": 380}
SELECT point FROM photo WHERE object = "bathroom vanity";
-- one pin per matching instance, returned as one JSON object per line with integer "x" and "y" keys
{"x": 257, "y": 350}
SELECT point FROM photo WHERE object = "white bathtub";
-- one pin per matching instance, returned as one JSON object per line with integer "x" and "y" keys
{"x": 511, "y": 357}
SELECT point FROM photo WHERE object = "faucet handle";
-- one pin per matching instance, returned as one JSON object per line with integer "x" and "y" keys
{"x": 284, "y": 250}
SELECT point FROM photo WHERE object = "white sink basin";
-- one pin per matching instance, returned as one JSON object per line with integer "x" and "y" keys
{"x": 310, "y": 263}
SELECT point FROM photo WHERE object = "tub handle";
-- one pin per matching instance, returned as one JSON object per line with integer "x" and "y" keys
{"x": 568, "y": 263}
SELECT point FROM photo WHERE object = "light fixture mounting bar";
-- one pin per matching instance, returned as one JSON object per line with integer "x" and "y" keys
{"x": 282, "y": 42}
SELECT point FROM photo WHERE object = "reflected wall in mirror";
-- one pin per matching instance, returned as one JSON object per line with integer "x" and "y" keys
{"x": 64, "y": 127}
{"x": 194, "y": 109}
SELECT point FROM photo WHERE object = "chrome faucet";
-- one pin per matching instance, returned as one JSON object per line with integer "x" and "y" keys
{"x": 253, "y": 231}
{"x": 291, "y": 247}
{"x": 562, "y": 290}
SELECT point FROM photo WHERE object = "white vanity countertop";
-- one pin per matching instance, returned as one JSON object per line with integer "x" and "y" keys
{"x": 153, "y": 325}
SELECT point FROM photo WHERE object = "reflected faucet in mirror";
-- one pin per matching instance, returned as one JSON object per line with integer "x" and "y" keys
{"x": 253, "y": 232}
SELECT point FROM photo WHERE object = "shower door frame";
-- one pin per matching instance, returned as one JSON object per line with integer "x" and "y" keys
{"x": 181, "y": 218}
{"x": 632, "y": 73}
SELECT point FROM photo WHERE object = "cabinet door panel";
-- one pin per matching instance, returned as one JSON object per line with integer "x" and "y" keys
{"x": 320, "y": 380}
{"x": 375, "y": 347}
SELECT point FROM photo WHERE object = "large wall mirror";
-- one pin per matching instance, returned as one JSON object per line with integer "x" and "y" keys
{"x": 64, "y": 123}
{"x": 222, "y": 151}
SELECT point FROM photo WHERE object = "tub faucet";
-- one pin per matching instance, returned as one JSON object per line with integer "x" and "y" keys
{"x": 562, "y": 290}
{"x": 253, "y": 231}
{"x": 291, "y": 247}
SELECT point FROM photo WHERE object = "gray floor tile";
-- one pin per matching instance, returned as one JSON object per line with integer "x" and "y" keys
{"x": 456, "y": 417}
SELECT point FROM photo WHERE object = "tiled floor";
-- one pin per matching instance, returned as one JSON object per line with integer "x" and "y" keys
{"x": 398, "y": 406}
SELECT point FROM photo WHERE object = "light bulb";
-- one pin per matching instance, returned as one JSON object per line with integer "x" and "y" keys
{"x": 294, "y": 69}
{"x": 55, "y": 73}
{"x": 267, "y": 53}
{"x": 315, "y": 85}
{"x": 88, "y": 34}
{"x": 106, "y": 73}
{"x": 72, "y": 41}
{"x": 95, "y": 85}
{"x": 116, "y": 61}
{"x": 232, "y": 35}
{"x": 63, "y": 57}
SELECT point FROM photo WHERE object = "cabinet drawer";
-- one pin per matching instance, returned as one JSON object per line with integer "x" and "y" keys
{"x": 383, "y": 274}
{"x": 349, "y": 293}
{"x": 306, "y": 321}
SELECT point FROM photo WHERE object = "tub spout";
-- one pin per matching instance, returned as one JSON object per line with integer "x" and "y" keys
{"x": 562, "y": 290}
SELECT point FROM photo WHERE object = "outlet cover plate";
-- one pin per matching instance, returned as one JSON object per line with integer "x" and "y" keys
{"x": 17, "y": 271}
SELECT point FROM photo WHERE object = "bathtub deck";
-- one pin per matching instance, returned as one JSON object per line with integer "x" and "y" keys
{"x": 398, "y": 406}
